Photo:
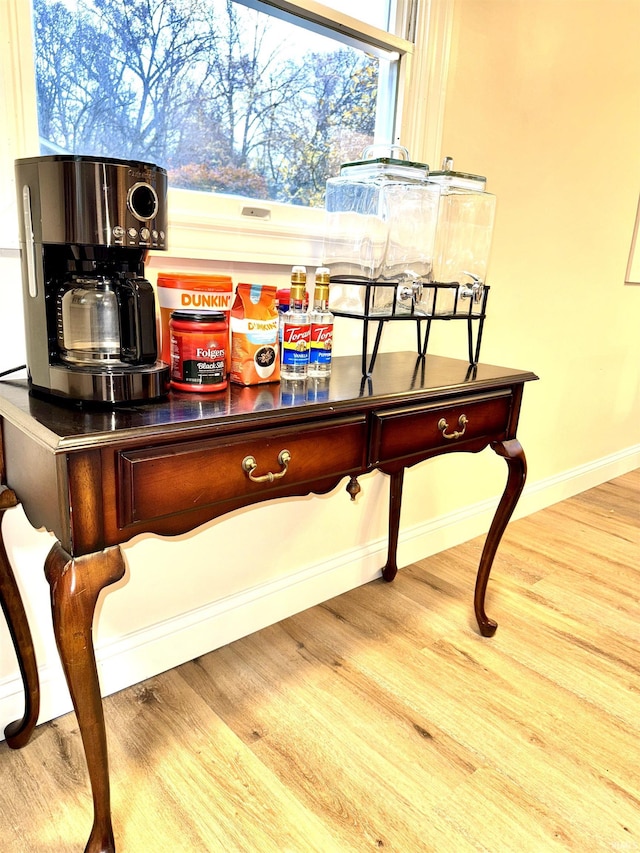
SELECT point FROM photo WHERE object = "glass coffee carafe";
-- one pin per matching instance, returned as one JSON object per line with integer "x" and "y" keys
{"x": 106, "y": 321}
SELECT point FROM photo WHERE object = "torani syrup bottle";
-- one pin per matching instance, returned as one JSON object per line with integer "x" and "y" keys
{"x": 321, "y": 327}
{"x": 296, "y": 329}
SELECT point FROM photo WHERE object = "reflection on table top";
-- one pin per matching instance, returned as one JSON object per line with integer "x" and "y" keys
{"x": 396, "y": 375}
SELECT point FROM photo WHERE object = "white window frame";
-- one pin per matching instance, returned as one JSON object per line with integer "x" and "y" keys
{"x": 208, "y": 226}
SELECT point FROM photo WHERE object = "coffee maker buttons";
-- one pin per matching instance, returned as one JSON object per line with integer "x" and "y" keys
{"x": 145, "y": 234}
{"x": 117, "y": 232}
{"x": 133, "y": 234}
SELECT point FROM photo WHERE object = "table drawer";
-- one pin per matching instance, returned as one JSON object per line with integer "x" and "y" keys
{"x": 174, "y": 478}
{"x": 428, "y": 430}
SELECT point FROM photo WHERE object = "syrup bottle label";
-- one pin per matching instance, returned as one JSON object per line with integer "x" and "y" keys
{"x": 295, "y": 344}
{"x": 321, "y": 343}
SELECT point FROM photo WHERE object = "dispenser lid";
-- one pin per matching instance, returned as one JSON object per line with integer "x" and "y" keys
{"x": 446, "y": 177}
{"x": 387, "y": 167}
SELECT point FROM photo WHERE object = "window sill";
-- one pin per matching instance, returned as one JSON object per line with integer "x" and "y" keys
{"x": 201, "y": 230}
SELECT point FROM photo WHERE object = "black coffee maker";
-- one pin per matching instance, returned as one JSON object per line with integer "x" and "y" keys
{"x": 86, "y": 225}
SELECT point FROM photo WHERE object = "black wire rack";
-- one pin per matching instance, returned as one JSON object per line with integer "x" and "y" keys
{"x": 420, "y": 303}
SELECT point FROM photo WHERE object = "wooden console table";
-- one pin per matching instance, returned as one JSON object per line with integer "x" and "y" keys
{"x": 98, "y": 478}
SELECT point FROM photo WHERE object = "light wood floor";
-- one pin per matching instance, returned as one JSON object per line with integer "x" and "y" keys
{"x": 381, "y": 720}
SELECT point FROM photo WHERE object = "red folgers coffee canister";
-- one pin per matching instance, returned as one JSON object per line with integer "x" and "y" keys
{"x": 199, "y": 350}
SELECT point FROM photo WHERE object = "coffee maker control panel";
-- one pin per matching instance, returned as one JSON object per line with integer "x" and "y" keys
{"x": 153, "y": 239}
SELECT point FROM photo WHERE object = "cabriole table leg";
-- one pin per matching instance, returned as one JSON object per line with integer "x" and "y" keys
{"x": 18, "y": 732}
{"x": 512, "y": 451}
{"x": 75, "y": 585}
{"x": 395, "y": 503}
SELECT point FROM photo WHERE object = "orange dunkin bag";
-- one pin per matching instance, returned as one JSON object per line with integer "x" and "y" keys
{"x": 254, "y": 335}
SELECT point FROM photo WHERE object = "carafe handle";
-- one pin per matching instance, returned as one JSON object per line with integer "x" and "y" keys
{"x": 138, "y": 336}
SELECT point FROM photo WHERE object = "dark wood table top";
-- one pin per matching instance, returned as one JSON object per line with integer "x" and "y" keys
{"x": 399, "y": 376}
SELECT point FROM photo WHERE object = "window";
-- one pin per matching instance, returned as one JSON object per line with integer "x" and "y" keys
{"x": 258, "y": 99}
{"x": 228, "y": 98}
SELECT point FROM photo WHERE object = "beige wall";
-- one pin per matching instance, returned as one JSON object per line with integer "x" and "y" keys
{"x": 543, "y": 100}
{"x": 543, "y": 97}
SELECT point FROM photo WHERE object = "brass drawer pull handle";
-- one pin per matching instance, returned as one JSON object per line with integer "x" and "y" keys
{"x": 443, "y": 426}
{"x": 249, "y": 465}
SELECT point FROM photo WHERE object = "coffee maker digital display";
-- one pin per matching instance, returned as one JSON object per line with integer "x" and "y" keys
{"x": 86, "y": 225}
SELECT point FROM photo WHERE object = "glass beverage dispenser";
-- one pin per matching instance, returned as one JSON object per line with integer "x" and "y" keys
{"x": 463, "y": 241}
{"x": 380, "y": 230}
{"x": 404, "y": 244}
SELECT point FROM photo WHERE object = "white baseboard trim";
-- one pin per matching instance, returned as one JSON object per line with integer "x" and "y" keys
{"x": 554, "y": 489}
{"x": 164, "y": 645}
{"x": 474, "y": 520}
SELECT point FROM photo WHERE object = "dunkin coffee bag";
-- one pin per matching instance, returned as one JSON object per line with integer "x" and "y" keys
{"x": 254, "y": 335}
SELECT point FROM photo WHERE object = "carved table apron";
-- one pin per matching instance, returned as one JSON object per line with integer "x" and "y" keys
{"x": 98, "y": 478}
